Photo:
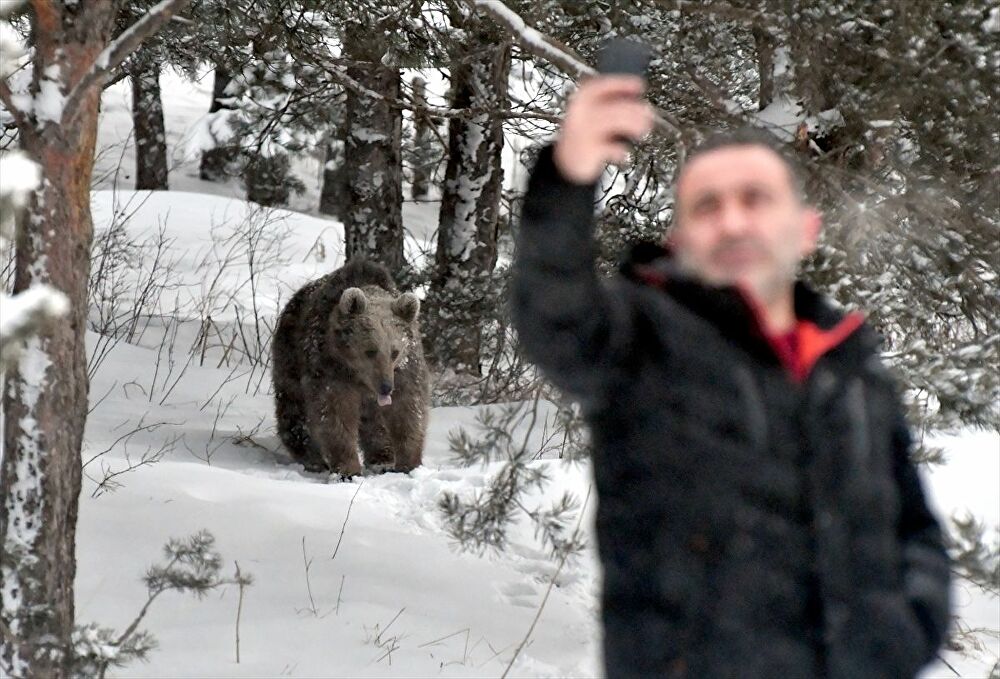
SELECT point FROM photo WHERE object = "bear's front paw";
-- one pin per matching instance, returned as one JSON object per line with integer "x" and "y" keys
{"x": 378, "y": 468}
{"x": 347, "y": 470}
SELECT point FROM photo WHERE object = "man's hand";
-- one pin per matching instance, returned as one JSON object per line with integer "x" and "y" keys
{"x": 602, "y": 115}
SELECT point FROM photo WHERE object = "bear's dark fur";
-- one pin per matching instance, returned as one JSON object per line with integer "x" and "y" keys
{"x": 348, "y": 369}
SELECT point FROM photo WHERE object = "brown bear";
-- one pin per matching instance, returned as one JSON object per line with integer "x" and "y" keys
{"x": 348, "y": 368}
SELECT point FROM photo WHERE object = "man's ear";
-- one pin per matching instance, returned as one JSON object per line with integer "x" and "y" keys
{"x": 812, "y": 224}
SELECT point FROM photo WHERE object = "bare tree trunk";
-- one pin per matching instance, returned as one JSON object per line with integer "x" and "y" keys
{"x": 374, "y": 223}
{"x": 421, "y": 141}
{"x": 150, "y": 132}
{"x": 215, "y": 163}
{"x": 765, "y": 67}
{"x": 45, "y": 396}
{"x": 334, "y": 198}
{"x": 470, "y": 203}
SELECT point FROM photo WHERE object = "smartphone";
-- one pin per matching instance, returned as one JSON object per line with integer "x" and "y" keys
{"x": 624, "y": 56}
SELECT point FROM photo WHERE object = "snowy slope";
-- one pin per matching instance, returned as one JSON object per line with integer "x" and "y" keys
{"x": 397, "y": 584}
{"x": 394, "y": 554}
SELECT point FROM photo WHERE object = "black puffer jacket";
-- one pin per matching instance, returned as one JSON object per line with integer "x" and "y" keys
{"x": 749, "y": 525}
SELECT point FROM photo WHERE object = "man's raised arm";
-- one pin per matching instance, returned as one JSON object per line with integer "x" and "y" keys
{"x": 572, "y": 326}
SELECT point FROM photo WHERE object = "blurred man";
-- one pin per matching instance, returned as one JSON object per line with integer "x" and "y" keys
{"x": 759, "y": 516}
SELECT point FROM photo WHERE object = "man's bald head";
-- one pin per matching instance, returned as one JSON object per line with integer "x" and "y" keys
{"x": 751, "y": 137}
{"x": 739, "y": 214}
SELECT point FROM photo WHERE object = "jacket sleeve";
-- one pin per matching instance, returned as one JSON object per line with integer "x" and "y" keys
{"x": 925, "y": 562}
{"x": 895, "y": 631}
{"x": 573, "y": 326}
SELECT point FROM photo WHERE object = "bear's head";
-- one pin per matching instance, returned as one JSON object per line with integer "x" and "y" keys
{"x": 372, "y": 335}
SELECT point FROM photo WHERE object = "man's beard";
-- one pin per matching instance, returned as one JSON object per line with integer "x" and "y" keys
{"x": 767, "y": 288}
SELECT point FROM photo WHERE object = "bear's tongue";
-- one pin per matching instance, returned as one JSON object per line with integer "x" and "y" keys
{"x": 384, "y": 400}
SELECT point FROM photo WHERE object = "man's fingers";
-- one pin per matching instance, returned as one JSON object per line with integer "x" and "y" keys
{"x": 603, "y": 87}
{"x": 602, "y": 117}
{"x": 617, "y": 153}
{"x": 632, "y": 119}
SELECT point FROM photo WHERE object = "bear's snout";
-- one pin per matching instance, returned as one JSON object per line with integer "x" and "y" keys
{"x": 385, "y": 393}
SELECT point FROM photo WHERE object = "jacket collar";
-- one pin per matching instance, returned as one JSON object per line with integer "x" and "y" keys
{"x": 737, "y": 317}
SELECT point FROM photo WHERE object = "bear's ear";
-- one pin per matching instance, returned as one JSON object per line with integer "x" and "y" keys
{"x": 406, "y": 306}
{"x": 353, "y": 301}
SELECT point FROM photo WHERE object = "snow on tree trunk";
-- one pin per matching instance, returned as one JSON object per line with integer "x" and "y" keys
{"x": 373, "y": 158}
{"x": 467, "y": 226}
{"x": 150, "y": 133}
{"x": 45, "y": 395}
{"x": 215, "y": 163}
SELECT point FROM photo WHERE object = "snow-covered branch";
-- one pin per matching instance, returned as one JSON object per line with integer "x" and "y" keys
{"x": 551, "y": 50}
{"x": 23, "y": 315}
{"x": 10, "y": 51}
{"x": 534, "y": 41}
{"x": 7, "y": 99}
{"x": 340, "y": 75}
{"x": 718, "y": 9}
{"x": 119, "y": 49}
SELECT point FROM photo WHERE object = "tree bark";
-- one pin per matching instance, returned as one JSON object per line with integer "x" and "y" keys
{"x": 216, "y": 163}
{"x": 45, "y": 397}
{"x": 421, "y": 141}
{"x": 334, "y": 195}
{"x": 150, "y": 132}
{"x": 467, "y": 228}
{"x": 765, "y": 67}
{"x": 373, "y": 158}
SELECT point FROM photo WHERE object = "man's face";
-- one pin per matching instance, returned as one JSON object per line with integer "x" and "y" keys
{"x": 740, "y": 221}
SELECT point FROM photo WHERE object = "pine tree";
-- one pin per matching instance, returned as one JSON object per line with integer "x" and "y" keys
{"x": 150, "y": 131}
{"x": 470, "y": 203}
{"x": 372, "y": 149}
{"x": 217, "y": 163}
{"x": 72, "y": 56}
{"x": 421, "y": 155}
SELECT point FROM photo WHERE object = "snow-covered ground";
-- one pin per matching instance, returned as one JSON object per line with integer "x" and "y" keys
{"x": 398, "y": 599}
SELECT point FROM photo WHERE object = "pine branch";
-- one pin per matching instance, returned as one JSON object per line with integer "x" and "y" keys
{"x": 7, "y": 99}
{"x": 716, "y": 9}
{"x": 551, "y": 50}
{"x": 350, "y": 83}
{"x": 118, "y": 50}
{"x": 534, "y": 41}
{"x": 548, "y": 590}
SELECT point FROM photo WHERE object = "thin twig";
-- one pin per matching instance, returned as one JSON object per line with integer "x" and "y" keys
{"x": 239, "y": 610}
{"x": 449, "y": 636}
{"x": 336, "y": 611}
{"x": 346, "y": 517}
{"x": 538, "y": 614}
{"x": 308, "y": 563}
{"x": 948, "y": 665}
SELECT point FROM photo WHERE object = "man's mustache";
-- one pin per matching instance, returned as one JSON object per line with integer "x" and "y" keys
{"x": 753, "y": 245}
